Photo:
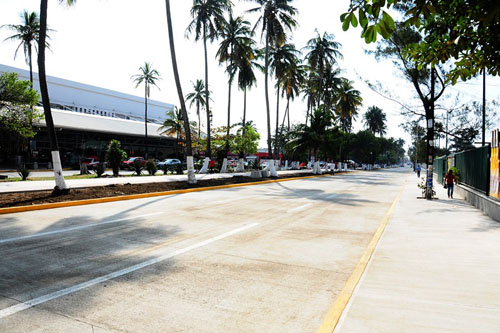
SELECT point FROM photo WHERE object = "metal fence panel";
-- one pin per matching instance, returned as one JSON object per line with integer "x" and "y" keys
{"x": 441, "y": 167}
{"x": 473, "y": 165}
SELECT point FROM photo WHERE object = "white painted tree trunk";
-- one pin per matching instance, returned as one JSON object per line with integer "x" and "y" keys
{"x": 241, "y": 166}
{"x": 204, "y": 169}
{"x": 272, "y": 169}
{"x": 286, "y": 165}
{"x": 191, "y": 172}
{"x": 223, "y": 169}
{"x": 58, "y": 172}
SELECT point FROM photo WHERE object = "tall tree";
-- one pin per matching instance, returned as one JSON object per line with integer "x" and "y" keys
{"x": 174, "y": 125}
{"x": 292, "y": 81}
{"x": 323, "y": 51}
{"x": 281, "y": 58}
{"x": 44, "y": 91}
{"x": 197, "y": 97}
{"x": 235, "y": 35}
{"x": 349, "y": 100}
{"x": 187, "y": 129}
{"x": 28, "y": 34}
{"x": 375, "y": 120}
{"x": 148, "y": 75}
{"x": 208, "y": 19}
{"x": 276, "y": 17}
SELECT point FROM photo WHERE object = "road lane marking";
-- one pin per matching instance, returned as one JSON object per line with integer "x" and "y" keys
{"x": 299, "y": 208}
{"x": 47, "y": 233}
{"x": 332, "y": 318}
{"x": 63, "y": 292}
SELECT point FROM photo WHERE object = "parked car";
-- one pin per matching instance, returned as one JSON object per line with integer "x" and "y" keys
{"x": 169, "y": 162}
{"x": 90, "y": 162}
{"x": 127, "y": 164}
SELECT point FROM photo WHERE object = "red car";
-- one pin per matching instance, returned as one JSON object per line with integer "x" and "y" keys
{"x": 90, "y": 162}
{"x": 130, "y": 162}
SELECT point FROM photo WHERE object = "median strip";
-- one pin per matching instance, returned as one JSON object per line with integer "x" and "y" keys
{"x": 19, "y": 209}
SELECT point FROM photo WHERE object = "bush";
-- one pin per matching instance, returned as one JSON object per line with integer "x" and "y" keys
{"x": 151, "y": 167}
{"x": 99, "y": 170}
{"x": 24, "y": 173}
{"x": 456, "y": 172}
{"x": 115, "y": 155}
{"x": 137, "y": 167}
{"x": 180, "y": 170}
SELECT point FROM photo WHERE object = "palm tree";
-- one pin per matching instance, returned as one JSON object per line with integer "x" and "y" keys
{"x": 208, "y": 19}
{"x": 281, "y": 58}
{"x": 44, "y": 92}
{"x": 292, "y": 81}
{"x": 349, "y": 100}
{"x": 276, "y": 17}
{"x": 148, "y": 75}
{"x": 174, "y": 125}
{"x": 197, "y": 97}
{"x": 187, "y": 129}
{"x": 235, "y": 34}
{"x": 323, "y": 50}
{"x": 28, "y": 34}
{"x": 375, "y": 120}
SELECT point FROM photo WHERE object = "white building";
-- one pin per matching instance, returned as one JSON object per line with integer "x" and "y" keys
{"x": 86, "y": 118}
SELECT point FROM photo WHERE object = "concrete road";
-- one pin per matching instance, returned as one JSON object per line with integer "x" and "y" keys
{"x": 265, "y": 258}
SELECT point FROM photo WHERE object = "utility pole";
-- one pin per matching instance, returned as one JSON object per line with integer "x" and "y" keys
{"x": 484, "y": 108}
{"x": 430, "y": 137}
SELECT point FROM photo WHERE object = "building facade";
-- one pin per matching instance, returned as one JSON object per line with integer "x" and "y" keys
{"x": 86, "y": 118}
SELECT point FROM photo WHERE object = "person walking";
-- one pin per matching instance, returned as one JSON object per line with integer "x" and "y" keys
{"x": 450, "y": 181}
{"x": 418, "y": 170}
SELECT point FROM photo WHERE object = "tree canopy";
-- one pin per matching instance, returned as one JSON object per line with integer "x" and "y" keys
{"x": 17, "y": 98}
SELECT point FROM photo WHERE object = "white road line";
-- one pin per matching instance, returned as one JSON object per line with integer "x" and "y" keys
{"x": 40, "y": 234}
{"x": 42, "y": 299}
{"x": 299, "y": 208}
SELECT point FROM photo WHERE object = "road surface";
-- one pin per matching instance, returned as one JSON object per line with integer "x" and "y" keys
{"x": 264, "y": 258}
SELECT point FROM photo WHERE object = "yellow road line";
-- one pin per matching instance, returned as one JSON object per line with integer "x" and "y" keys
{"x": 332, "y": 318}
{"x": 18, "y": 209}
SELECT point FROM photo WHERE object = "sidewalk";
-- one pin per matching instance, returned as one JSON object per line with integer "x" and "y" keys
{"x": 40, "y": 185}
{"x": 435, "y": 269}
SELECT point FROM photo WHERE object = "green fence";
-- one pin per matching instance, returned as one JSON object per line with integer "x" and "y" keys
{"x": 473, "y": 164}
{"x": 474, "y": 168}
{"x": 440, "y": 168}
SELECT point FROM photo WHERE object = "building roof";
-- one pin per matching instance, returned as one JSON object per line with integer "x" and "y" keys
{"x": 94, "y": 123}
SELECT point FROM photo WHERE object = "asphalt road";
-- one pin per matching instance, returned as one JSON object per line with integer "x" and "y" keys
{"x": 265, "y": 258}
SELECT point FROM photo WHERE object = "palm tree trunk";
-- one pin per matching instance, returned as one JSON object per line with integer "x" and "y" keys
{"x": 146, "y": 119}
{"x": 187, "y": 129}
{"x": 276, "y": 133}
{"x": 228, "y": 115}
{"x": 320, "y": 91}
{"x": 44, "y": 91}
{"x": 30, "y": 60}
{"x": 288, "y": 111}
{"x": 207, "y": 99}
{"x": 244, "y": 110}
{"x": 266, "y": 84}
{"x": 199, "y": 120}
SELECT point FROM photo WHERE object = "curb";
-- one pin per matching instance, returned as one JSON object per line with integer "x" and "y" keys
{"x": 19, "y": 209}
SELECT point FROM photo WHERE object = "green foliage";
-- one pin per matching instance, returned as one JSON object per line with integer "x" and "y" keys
{"x": 375, "y": 120}
{"x": 115, "y": 156}
{"x": 458, "y": 31}
{"x": 456, "y": 172}
{"x": 16, "y": 101}
{"x": 246, "y": 142}
{"x": 23, "y": 173}
{"x": 99, "y": 170}
{"x": 137, "y": 167}
{"x": 151, "y": 167}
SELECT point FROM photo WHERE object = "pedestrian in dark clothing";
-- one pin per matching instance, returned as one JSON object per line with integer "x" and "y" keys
{"x": 418, "y": 170}
{"x": 450, "y": 181}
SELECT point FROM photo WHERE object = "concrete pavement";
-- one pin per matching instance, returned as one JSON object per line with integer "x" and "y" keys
{"x": 264, "y": 258}
{"x": 436, "y": 269}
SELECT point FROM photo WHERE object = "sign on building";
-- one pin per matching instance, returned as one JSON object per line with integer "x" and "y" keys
{"x": 494, "y": 165}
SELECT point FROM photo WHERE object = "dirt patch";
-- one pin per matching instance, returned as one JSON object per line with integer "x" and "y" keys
{"x": 40, "y": 197}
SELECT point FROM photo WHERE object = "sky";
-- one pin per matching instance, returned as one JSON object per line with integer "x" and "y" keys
{"x": 104, "y": 42}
